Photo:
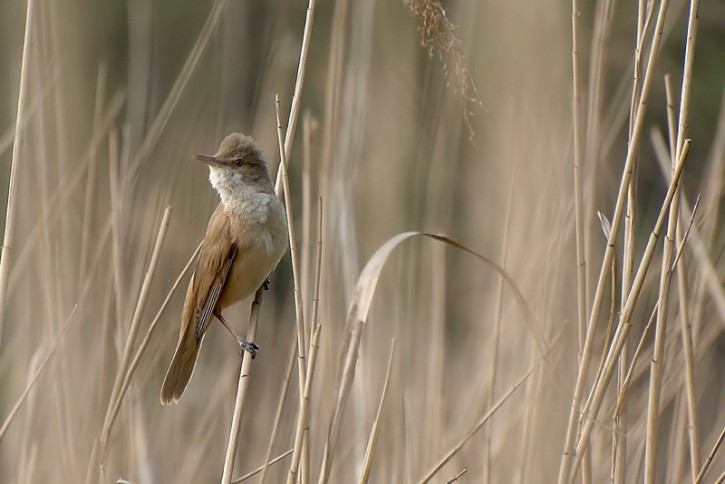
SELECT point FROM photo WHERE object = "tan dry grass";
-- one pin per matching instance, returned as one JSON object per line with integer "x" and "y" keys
{"x": 109, "y": 127}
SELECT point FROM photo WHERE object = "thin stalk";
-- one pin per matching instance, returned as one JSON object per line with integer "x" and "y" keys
{"x": 682, "y": 126}
{"x": 242, "y": 387}
{"x": 569, "y": 454}
{"x": 91, "y": 182}
{"x": 147, "y": 338}
{"x": 299, "y": 306}
{"x": 602, "y": 26}
{"x": 318, "y": 267}
{"x": 579, "y": 136}
{"x": 435, "y": 332}
{"x": 687, "y": 71}
{"x": 280, "y": 406}
{"x": 307, "y": 122}
{"x": 285, "y": 153}
{"x": 182, "y": 80}
{"x": 10, "y": 212}
{"x": 621, "y": 398}
{"x": 66, "y": 186}
{"x": 300, "y": 80}
{"x": 333, "y": 86}
{"x": 38, "y": 371}
{"x": 95, "y": 462}
{"x": 658, "y": 357}
{"x": 621, "y": 423}
{"x": 486, "y": 417}
{"x": 126, "y": 359}
{"x": 579, "y": 221}
{"x": 684, "y": 312}
{"x": 677, "y": 443}
{"x": 708, "y": 280}
{"x": 303, "y": 416}
{"x": 242, "y": 390}
{"x": 261, "y": 468}
{"x": 710, "y": 456}
{"x": 375, "y": 431}
{"x": 530, "y": 389}
{"x": 688, "y": 351}
{"x": 624, "y": 387}
{"x": 496, "y": 338}
{"x": 620, "y": 336}
{"x": 457, "y": 476}
{"x": 314, "y": 322}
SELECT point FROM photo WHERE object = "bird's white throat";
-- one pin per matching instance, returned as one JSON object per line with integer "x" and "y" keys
{"x": 239, "y": 198}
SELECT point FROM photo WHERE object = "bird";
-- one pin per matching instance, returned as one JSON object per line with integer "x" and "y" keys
{"x": 245, "y": 239}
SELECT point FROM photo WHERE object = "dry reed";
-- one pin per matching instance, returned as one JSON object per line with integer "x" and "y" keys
{"x": 565, "y": 355}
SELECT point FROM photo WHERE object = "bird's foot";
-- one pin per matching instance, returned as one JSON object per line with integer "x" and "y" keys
{"x": 247, "y": 346}
{"x": 266, "y": 284}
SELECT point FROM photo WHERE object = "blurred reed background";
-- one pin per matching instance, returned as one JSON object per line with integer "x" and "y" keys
{"x": 475, "y": 141}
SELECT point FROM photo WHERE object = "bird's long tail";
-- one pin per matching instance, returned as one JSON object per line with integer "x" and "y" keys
{"x": 180, "y": 369}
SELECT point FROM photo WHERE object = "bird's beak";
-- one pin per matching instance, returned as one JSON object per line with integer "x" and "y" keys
{"x": 212, "y": 160}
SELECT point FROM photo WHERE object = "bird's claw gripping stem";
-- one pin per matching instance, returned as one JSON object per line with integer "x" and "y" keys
{"x": 248, "y": 346}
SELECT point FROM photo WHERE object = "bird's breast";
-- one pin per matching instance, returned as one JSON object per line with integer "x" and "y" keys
{"x": 260, "y": 233}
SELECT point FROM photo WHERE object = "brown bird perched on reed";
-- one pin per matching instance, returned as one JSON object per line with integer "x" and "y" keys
{"x": 245, "y": 240}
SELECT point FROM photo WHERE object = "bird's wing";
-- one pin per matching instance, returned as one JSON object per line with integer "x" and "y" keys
{"x": 212, "y": 270}
{"x": 213, "y": 292}
{"x": 215, "y": 261}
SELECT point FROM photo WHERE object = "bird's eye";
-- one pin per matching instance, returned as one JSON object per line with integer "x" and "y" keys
{"x": 238, "y": 161}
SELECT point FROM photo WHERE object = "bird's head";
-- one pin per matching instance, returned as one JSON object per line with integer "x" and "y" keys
{"x": 238, "y": 159}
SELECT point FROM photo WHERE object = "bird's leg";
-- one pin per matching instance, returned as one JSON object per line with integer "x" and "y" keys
{"x": 243, "y": 343}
